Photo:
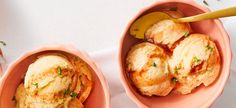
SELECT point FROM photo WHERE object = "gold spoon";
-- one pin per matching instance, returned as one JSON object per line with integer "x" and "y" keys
{"x": 139, "y": 27}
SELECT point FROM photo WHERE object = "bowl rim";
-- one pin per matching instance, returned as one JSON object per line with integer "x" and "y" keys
{"x": 194, "y": 4}
{"x": 68, "y": 49}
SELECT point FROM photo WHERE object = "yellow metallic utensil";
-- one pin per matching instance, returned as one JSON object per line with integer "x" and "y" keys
{"x": 139, "y": 27}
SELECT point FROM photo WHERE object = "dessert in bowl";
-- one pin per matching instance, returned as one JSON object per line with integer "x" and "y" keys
{"x": 54, "y": 76}
{"x": 178, "y": 63}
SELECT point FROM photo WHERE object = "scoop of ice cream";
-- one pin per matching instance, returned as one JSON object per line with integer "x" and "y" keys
{"x": 84, "y": 82}
{"x": 46, "y": 80}
{"x": 148, "y": 69}
{"x": 167, "y": 32}
{"x": 195, "y": 60}
{"x": 55, "y": 81}
{"x": 20, "y": 96}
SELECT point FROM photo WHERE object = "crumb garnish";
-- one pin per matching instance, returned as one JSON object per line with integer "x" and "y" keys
{"x": 196, "y": 60}
{"x": 36, "y": 85}
{"x": 73, "y": 94}
{"x": 154, "y": 64}
{"x": 208, "y": 47}
{"x": 59, "y": 71}
{"x": 174, "y": 80}
{"x": 176, "y": 69}
{"x": 66, "y": 92}
{"x": 186, "y": 34}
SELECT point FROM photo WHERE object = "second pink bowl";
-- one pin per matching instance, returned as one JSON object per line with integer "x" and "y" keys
{"x": 203, "y": 97}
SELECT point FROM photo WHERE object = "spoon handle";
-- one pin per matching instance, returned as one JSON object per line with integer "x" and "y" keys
{"x": 209, "y": 15}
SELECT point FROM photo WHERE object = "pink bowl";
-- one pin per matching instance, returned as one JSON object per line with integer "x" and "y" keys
{"x": 99, "y": 97}
{"x": 203, "y": 97}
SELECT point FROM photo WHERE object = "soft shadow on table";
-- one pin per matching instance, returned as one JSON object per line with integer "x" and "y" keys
{"x": 107, "y": 61}
{"x": 227, "y": 99}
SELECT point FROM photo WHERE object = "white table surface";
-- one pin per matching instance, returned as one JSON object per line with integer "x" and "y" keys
{"x": 89, "y": 25}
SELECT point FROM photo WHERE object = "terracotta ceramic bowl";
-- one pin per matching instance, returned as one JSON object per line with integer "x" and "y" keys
{"x": 99, "y": 97}
{"x": 203, "y": 97}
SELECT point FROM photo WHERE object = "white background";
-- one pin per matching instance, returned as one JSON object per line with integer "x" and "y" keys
{"x": 90, "y": 25}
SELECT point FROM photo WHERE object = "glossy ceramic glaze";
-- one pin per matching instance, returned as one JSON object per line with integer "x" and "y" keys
{"x": 99, "y": 97}
{"x": 202, "y": 97}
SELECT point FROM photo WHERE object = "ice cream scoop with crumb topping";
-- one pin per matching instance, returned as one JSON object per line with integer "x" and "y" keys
{"x": 52, "y": 81}
{"x": 195, "y": 60}
{"x": 167, "y": 32}
{"x": 148, "y": 69}
{"x": 46, "y": 79}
